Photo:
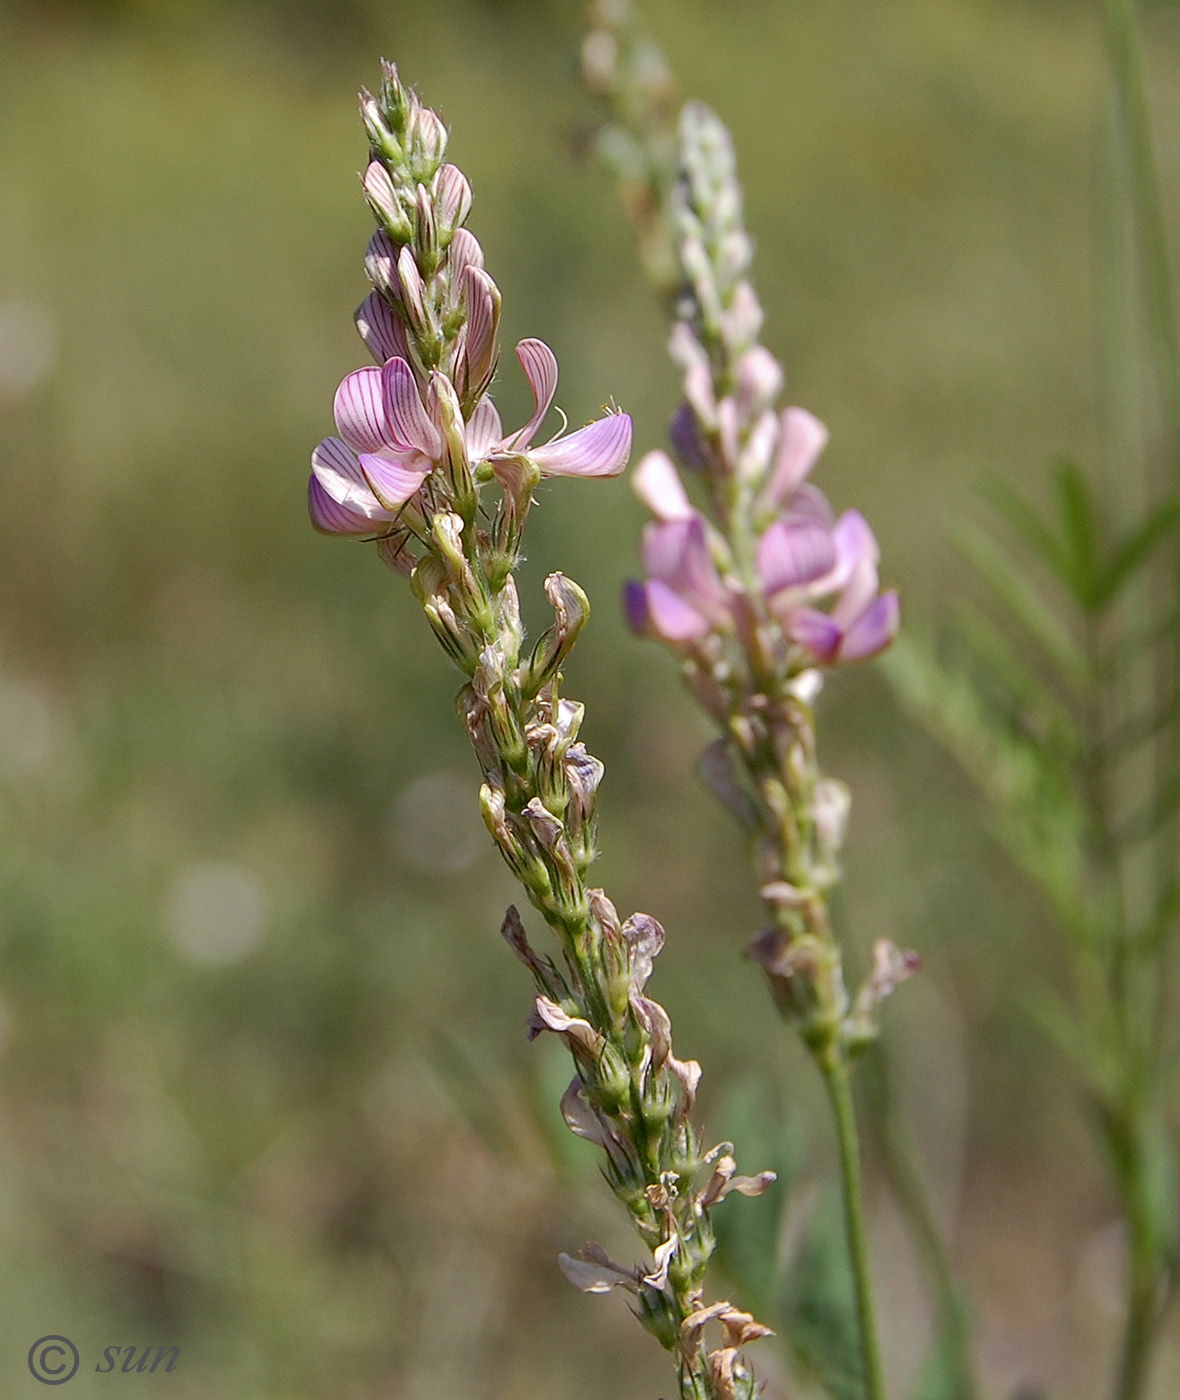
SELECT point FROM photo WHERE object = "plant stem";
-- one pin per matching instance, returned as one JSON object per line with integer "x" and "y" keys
{"x": 837, "y": 1077}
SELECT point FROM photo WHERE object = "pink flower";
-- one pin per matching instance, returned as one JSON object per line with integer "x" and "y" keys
{"x": 683, "y": 598}
{"x": 862, "y": 622}
{"x": 391, "y": 435}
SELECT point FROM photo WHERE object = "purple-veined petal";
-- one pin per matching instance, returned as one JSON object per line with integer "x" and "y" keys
{"x": 483, "y": 430}
{"x": 463, "y": 253}
{"x": 381, "y": 329}
{"x": 334, "y": 465}
{"x": 413, "y": 289}
{"x": 803, "y": 439}
{"x": 409, "y": 426}
{"x": 670, "y": 617}
{"x": 453, "y": 196}
{"x": 540, "y": 368}
{"x": 330, "y": 517}
{"x": 793, "y": 553}
{"x": 381, "y": 263}
{"x": 393, "y": 482}
{"x": 873, "y": 630}
{"x": 814, "y": 630}
{"x": 600, "y": 448}
{"x": 379, "y": 192}
{"x": 482, "y": 300}
{"x": 658, "y": 486}
{"x": 635, "y": 606}
{"x": 360, "y": 410}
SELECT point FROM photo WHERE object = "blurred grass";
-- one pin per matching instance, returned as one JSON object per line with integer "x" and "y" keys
{"x": 257, "y": 1136}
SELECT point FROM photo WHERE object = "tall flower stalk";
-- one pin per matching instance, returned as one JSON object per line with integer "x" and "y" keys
{"x": 760, "y": 589}
{"x": 423, "y": 467}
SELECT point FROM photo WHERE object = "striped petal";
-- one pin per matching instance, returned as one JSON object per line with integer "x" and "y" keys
{"x": 483, "y": 431}
{"x": 330, "y": 517}
{"x": 381, "y": 263}
{"x": 677, "y": 555}
{"x": 393, "y": 482}
{"x": 599, "y": 449}
{"x": 381, "y": 329}
{"x": 335, "y": 467}
{"x": 463, "y": 253}
{"x": 540, "y": 367}
{"x": 360, "y": 411}
{"x": 482, "y": 301}
{"x": 409, "y": 425}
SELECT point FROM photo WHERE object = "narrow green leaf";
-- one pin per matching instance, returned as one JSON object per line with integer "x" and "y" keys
{"x": 1134, "y": 550}
{"x": 1025, "y": 601}
{"x": 1035, "y": 710}
{"x": 1080, "y": 520}
{"x": 1027, "y": 524}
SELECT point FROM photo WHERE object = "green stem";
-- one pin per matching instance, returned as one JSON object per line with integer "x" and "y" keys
{"x": 837, "y": 1077}
{"x": 905, "y": 1180}
{"x": 1143, "y": 1264}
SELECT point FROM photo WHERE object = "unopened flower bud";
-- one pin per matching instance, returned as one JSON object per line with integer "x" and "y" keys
{"x": 425, "y": 233}
{"x": 382, "y": 140}
{"x": 384, "y": 203}
{"x": 452, "y": 196}
{"x": 481, "y": 298}
{"x": 413, "y": 292}
{"x": 429, "y": 136}
{"x": 571, "y": 609}
{"x": 381, "y": 265}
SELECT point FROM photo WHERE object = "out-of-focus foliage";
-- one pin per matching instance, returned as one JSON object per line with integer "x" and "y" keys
{"x": 264, "y": 1088}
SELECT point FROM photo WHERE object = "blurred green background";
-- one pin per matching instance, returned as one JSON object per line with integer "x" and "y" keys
{"x": 264, "y": 1087}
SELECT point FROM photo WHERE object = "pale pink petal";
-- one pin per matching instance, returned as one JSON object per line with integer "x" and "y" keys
{"x": 670, "y": 617}
{"x": 463, "y": 253}
{"x": 381, "y": 263}
{"x": 379, "y": 192}
{"x": 599, "y": 449}
{"x": 410, "y": 428}
{"x": 329, "y": 517}
{"x": 858, "y": 594}
{"x": 453, "y": 195}
{"x": 381, "y": 329}
{"x": 792, "y": 553}
{"x": 657, "y": 484}
{"x": 873, "y": 630}
{"x": 393, "y": 482}
{"x": 360, "y": 411}
{"x": 814, "y": 630}
{"x": 483, "y": 430}
{"x": 480, "y": 298}
{"x": 855, "y": 540}
{"x": 413, "y": 289}
{"x": 540, "y": 367}
{"x": 676, "y": 553}
{"x": 803, "y": 439}
{"x": 335, "y": 467}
